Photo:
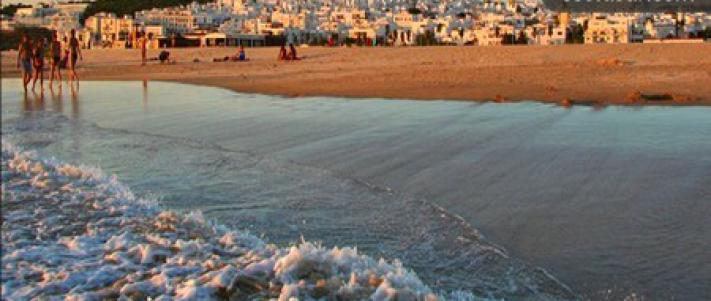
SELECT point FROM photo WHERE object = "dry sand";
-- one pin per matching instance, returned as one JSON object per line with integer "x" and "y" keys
{"x": 579, "y": 74}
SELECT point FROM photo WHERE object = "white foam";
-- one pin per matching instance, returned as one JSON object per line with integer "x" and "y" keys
{"x": 97, "y": 240}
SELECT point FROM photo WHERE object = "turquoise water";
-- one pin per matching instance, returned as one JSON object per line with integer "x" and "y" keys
{"x": 611, "y": 202}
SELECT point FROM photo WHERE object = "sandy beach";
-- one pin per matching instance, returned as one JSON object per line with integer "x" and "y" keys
{"x": 577, "y": 74}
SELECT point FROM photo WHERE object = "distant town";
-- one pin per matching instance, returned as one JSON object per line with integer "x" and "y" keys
{"x": 360, "y": 22}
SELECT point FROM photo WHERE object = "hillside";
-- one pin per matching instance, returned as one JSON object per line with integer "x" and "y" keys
{"x": 641, "y": 6}
{"x": 128, "y": 7}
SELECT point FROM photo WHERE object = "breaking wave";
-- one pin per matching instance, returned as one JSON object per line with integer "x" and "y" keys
{"x": 73, "y": 231}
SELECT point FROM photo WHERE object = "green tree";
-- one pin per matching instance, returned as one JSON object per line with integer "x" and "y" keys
{"x": 706, "y": 34}
{"x": 128, "y": 7}
{"x": 11, "y": 39}
{"x": 575, "y": 35}
{"x": 10, "y": 10}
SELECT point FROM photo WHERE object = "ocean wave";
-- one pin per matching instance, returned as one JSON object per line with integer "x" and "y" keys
{"x": 72, "y": 231}
{"x": 447, "y": 253}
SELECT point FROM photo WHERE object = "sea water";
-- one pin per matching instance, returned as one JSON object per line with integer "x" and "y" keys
{"x": 504, "y": 200}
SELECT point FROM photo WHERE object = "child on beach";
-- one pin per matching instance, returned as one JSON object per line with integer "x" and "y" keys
{"x": 24, "y": 58}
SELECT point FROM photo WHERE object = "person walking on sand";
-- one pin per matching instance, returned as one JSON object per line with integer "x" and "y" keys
{"x": 74, "y": 53}
{"x": 56, "y": 51}
{"x": 38, "y": 63}
{"x": 143, "y": 43}
{"x": 24, "y": 59}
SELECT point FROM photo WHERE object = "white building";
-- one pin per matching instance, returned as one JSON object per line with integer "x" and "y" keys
{"x": 603, "y": 28}
{"x": 184, "y": 19}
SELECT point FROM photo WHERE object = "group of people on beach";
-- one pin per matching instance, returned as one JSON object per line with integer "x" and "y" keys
{"x": 64, "y": 54}
{"x": 31, "y": 59}
{"x": 290, "y": 56}
{"x": 241, "y": 56}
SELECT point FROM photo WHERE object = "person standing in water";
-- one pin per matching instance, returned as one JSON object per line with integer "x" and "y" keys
{"x": 38, "y": 63}
{"x": 24, "y": 58}
{"x": 74, "y": 54}
{"x": 65, "y": 47}
{"x": 56, "y": 52}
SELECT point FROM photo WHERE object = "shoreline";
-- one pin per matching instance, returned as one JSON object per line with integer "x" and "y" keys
{"x": 117, "y": 118}
{"x": 594, "y": 75}
{"x": 104, "y": 242}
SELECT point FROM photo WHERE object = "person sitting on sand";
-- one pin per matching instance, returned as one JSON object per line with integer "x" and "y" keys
{"x": 292, "y": 52}
{"x": 164, "y": 57}
{"x": 239, "y": 57}
{"x": 224, "y": 59}
{"x": 282, "y": 54}
{"x": 242, "y": 54}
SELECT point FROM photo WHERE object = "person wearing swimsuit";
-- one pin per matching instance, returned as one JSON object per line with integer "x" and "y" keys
{"x": 24, "y": 58}
{"x": 75, "y": 53}
{"x": 38, "y": 63}
{"x": 56, "y": 52}
{"x": 65, "y": 60}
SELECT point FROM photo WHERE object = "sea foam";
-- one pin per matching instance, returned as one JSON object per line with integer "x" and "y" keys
{"x": 71, "y": 232}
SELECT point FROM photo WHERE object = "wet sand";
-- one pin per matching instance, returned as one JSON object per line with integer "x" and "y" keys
{"x": 634, "y": 74}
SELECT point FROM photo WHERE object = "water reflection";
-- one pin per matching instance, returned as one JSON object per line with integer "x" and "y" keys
{"x": 145, "y": 95}
{"x": 75, "y": 101}
{"x": 57, "y": 101}
{"x": 35, "y": 101}
{"x": 32, "y": 103}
